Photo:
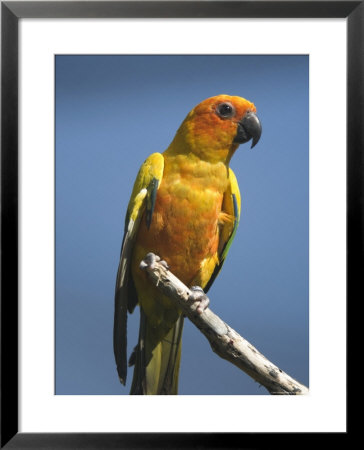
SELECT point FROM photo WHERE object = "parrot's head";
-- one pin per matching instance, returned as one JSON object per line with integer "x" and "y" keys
{"x": 214, "y": 129}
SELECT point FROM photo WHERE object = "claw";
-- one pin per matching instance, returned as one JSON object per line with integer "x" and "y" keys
{"x": 197, "y": 289}
{"x": 164, "y": 264}
{"x": 150, "y": 260}
{"x": 143, "y": 265}
{"x": 199, "y": 296}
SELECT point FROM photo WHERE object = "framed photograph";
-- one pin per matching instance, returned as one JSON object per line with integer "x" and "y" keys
{"x": 89, "y": 91}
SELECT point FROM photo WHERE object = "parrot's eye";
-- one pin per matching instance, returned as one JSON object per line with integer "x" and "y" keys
{"x": 225, "y": 110}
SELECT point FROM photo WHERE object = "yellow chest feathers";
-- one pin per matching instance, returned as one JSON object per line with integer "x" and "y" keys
{"x": 190, "y": 194}
{"x": 187, "y": 172}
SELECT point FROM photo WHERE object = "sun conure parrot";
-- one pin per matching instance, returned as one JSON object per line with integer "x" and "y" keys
{"x": 184, "y": 207}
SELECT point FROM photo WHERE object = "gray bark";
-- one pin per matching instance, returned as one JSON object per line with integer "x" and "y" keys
{"x": 224, "y": 341}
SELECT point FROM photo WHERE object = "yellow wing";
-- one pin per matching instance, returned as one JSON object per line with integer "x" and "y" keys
{"x": 231, "y": 206}
{"x": 142, "y": 198}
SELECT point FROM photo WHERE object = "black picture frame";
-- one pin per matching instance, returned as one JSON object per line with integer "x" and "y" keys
{"x": 11, "y": 12}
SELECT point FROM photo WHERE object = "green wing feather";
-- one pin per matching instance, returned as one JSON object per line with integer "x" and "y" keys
{"x": 142, "y": 198}
{"x": 231, "y": 205}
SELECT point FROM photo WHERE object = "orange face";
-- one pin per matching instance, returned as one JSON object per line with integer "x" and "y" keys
{"x": 215, "y": 127}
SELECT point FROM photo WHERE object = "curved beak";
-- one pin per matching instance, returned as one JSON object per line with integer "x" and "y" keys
{"x": 249, "y": 128}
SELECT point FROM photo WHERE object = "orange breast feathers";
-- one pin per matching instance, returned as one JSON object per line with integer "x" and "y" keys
{"x": 185, "y": 224}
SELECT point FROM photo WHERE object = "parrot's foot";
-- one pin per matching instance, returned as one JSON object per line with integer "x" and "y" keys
{"x": 199, "y": 296}
{"x": 150, "y": 260}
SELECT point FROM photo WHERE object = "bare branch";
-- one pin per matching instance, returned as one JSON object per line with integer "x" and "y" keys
{"x": 224, "y": 341}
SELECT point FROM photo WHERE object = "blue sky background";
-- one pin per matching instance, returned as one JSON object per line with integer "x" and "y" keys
{"x": 111, "y": 113}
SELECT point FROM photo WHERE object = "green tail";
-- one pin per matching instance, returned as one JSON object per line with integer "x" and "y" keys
{"x": 156, "y": 360}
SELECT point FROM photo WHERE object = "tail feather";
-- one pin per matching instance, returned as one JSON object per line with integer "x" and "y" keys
{"x": 157, "y": 359}
{"x": 120, "y": 321}
{"x": 171, "y": 349}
